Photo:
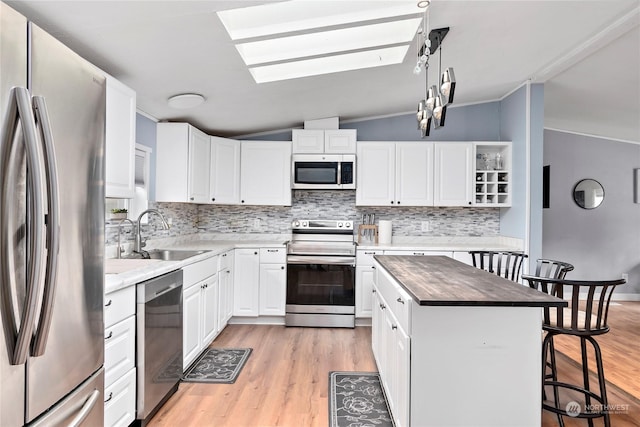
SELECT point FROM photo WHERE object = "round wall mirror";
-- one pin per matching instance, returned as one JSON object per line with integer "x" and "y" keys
{"x": 588, "y": 194}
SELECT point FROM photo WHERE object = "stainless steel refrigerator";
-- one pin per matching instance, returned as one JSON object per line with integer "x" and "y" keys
{"x": 51, "y": 230}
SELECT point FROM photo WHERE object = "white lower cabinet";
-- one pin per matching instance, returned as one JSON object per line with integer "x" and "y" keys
{"x": 364, "y": 281}
{"x": 246, "y": 282}
{"x": 120, "y": 401}
{"x": 391, "y": 344}
{"x": 119, "y": 357}
{"x": 200, "y": 308}
{"x": 273, "y": 289}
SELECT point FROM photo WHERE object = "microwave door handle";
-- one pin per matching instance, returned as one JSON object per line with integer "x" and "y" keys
{"x": 19, "y": 110}
{"x": 53, "y": 225}
{"x": 339, "y": 173}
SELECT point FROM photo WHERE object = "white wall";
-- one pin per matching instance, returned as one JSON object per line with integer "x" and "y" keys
{"x": 601, "y": 243}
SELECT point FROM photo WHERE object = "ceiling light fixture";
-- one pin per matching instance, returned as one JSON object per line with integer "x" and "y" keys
{"x": 433, "y": 108}
{"x": 185, "y": 100}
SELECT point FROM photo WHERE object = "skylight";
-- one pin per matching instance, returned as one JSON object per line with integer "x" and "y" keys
{"x": 299, "y": 38}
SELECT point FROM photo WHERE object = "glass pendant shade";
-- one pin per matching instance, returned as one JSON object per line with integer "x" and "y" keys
{"x": 448, "y": 85}
{"x": 425, "y": 124}
{"x": 439, "y": 112}
{"x": 432, "y": 94}
{"x": 421, "y": 107}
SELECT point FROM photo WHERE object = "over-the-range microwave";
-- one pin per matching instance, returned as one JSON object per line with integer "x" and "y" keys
{"x": 323, "y": 171}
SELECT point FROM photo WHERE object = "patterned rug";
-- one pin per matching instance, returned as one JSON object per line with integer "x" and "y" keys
{"x": 218, "y": 365}
{"x": 357, "y": 399}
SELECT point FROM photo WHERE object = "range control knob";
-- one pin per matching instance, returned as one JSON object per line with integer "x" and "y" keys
{"x": 296, "y": 224}
{"x": 304, "y": 223}
{"x": 339, "y": 224}
{"x": 347, "y": 224}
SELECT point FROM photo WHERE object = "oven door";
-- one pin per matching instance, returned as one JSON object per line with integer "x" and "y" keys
{"x": 325, "y": 282}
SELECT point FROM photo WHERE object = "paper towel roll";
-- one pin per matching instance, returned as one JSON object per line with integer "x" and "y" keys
{"x": 384, "y": 232}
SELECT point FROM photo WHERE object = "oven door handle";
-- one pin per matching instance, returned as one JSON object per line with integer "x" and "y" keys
{"x": 321, "y": 260}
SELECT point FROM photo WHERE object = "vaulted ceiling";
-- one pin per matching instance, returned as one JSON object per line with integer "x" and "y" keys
{"x": 586, "y": 52}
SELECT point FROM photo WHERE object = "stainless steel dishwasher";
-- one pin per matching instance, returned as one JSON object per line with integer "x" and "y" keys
{"x": 158, "y": 342}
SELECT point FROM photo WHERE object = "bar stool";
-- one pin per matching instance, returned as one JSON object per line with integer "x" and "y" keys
{"x": 507, "y": 264}
{"x": 551, "y": 269}
{"x": 585, "y": 324}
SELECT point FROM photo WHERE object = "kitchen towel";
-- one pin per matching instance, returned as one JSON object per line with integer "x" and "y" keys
{"x": 384, "y": 232}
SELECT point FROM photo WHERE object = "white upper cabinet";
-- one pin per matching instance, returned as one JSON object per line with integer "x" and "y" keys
{"x": 375, "y": 174}
{"x": 414, "y": 174}
{"x": 120, "y": 140}
{"x": 453, "y": 174}
{"x": 265, "y": 173}
{"x": 182, "y": 164}
{"x": 395, "y": 174}
{"x": 337, "y": 141}
{"x": 225, "y": 171}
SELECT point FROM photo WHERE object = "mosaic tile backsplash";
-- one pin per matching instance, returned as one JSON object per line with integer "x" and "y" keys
{"x": 189, "y": 218}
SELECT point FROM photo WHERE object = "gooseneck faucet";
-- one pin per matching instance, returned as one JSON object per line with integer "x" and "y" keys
{"x": 133, "y": 226}
{"x": 138, "y": 243}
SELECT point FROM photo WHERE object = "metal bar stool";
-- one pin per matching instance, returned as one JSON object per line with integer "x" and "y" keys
{"x": 507, "y": 264}
{"x": 585, "y": 324}
{"x": 551, "y": 269}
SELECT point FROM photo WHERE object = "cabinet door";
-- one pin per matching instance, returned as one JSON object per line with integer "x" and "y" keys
{"x": 453, "y": 170}
{"x": 414, "y": 174}
{"x": 273, "y": 289}
{"x": 376, "y": 174}
{"x": 225, "y": 300}
{"x": 246, "y": 280}
{"x": 401, "y": 374}
{"x": 210, "y": 309}
{"x": 120, "y": 140}
{"x": 172, "y": 162}
{"x": 265, "y": 173}
{"x": 225, "y": 171}
{"x": 364, "y": 290}
{"x": 191, "y": 333}
{"x": 199, "y": 166}
{"x": 340, "y": 141}
{"x": 307, "y": 141}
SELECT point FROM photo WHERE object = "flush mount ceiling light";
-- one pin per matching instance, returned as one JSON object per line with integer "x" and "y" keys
{"x": 185, "y": 100}
{"x": 433, "y": 108}
{"x": 298, "y": 38}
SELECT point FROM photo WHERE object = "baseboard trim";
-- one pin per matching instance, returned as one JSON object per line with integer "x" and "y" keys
{"x": 261, "y": 320}
{"x": 625, "y": 297}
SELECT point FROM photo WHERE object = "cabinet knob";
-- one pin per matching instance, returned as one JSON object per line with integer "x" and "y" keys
{"x": 469, "y": 202}
{"x": 398, "y": 201}
{"x": 241, "y": 201}
{"x": 109, "y": 336}
{"x": 392, "y": 202}
{"x": 255, "y": 253}
{"x": 394, "y": 327}
{"x": 109, "y": 398}
{"x": 400, "y": 300}
{"x": 373, "y": 267}
{"x": 108, "y": 303}
{"x": 213, "y": 199}
{"x": 191, "y": 198}
{"x": 373, "y": 291}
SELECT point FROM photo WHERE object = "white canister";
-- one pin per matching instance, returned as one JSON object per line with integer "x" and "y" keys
{"x": 384, "y": 232}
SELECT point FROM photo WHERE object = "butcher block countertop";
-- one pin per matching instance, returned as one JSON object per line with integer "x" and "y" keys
{"x": 443, "y": 281}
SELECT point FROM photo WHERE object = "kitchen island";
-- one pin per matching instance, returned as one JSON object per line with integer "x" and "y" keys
{"x": 455, "y": 345}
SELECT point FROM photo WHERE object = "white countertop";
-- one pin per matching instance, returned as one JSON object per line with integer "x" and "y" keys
{"x": 497, "y": 243}
{"x": 132, "y": 271}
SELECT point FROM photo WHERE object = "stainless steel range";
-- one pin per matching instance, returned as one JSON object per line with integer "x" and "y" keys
{"x": 321, "y": 264}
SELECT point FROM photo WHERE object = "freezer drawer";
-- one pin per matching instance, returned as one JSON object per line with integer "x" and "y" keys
{"x": 83, "y": 407}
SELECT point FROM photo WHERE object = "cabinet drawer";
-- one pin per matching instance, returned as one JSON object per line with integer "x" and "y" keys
{"x": 120, "y": 401}
{"x": 273, "y": 255}
{"x": 365, "y": 257}
{"x": 119, "y": 305}
{"x": 119, "y": 349}
{"x": 225, "y": 261}
{"x": 197, "y": 272}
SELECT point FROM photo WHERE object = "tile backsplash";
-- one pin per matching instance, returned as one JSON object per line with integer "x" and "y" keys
{"x": 189, "y": 218}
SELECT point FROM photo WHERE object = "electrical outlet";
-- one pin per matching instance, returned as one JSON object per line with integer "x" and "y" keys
{"x": 256, "y": 223}
{"x": 170, "y": 221}
{"x": 425, "y": 226}
{"x": 625, "y": 276}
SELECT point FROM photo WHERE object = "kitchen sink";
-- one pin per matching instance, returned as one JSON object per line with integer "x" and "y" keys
{"x": 173, "y": 254}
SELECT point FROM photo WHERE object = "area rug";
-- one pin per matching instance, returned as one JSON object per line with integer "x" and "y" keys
{"x": 218, "y": 365}
{"x": 357, "y": 399}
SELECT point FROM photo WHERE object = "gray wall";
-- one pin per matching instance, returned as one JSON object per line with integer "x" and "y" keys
{"x": 601, "y": 243}
{"x": 536, "y": 154}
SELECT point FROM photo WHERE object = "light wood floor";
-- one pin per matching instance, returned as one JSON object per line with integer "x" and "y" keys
{"x": 285, "y": 380}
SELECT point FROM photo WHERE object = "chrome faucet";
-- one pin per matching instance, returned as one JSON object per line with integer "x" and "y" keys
{"x": 133, "y": 226}
{"x": 138, "y": 243}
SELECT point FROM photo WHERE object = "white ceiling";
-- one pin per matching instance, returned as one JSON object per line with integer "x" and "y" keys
{"x": 163, "y": 48}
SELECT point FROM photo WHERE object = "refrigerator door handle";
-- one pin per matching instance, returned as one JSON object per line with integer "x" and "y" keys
{"x": 86, "y": 409}
{"x": 19, "y": 110}
{"x": 52, "y": 223}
